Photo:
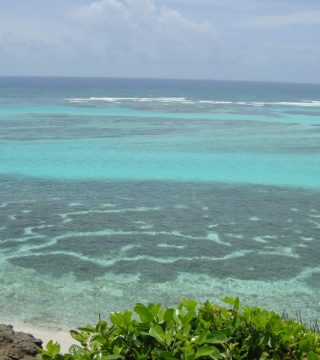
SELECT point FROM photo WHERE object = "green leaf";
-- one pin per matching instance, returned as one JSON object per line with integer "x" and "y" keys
{"x": 98, "y": 340}
{"x": 186, "y": 329}
{"x": 298, "y": 329}
{"x": 88, "y": 329}
{"x": 207, "y": 351}
{"x": 154, "y": 309}
{"x": 229, "y": 300}
{"x": 127, "y": 315}
{"x": 216, "y": 337}
{"x": 76, "y": 350}
{"x": 81, "y": 337}
{"x": 53, "y": 348}
{"x": 101, "y": 326}
{"x": 168, "y": 315}
{"x": 157, "y": 333}
{"x": 168, "y": 338}
{"x": 162, "y": 354}
{"x": 236, "y": 304}
{"x": 143, "y": 312}
{"x": 313, "y": 356}
{"x": 189, "y": 304}
{"x": 116, "y": 318}
{"x": 188, "y": 317}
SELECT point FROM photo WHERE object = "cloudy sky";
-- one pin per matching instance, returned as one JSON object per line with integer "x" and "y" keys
{"x": 274, "y": 40}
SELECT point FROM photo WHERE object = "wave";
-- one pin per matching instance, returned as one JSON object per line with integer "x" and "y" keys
{"x": 180, "y": 100}
{"x": 214, "y": 102}
{"x": 183, "y": 100}
{"x": 312, "y": 103}
{"x": 134, "y": 99}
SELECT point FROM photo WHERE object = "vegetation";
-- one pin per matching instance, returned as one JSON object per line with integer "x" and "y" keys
{"x": 190, "y": 332}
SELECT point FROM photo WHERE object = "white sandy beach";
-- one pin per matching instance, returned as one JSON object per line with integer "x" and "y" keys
{"x": 63, "y": 338}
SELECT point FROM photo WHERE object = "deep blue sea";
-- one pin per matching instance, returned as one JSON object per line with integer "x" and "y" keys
{"x": 117, "y": 191}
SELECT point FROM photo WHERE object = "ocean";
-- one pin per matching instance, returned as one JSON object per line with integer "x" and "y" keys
{"x": 117, "y": 191}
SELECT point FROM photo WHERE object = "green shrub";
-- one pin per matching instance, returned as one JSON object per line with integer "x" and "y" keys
{"x": 190, "y": 332}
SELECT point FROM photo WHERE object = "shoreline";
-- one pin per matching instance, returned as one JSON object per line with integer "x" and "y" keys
{"x": 46, "y": 334}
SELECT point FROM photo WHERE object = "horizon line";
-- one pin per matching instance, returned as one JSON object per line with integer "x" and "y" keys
{"x": 155, "y": 78}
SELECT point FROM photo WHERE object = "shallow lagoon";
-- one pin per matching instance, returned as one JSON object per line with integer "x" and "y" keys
{"x": 115, "y": 200}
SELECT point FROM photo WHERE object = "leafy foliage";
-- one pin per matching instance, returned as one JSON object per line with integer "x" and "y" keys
{"x": 191, "y": 332}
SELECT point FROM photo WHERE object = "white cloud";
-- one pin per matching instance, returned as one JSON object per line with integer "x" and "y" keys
{"x": 295, "y": 18}
{"x": 108, "y": 38}
{"x": 160, "y": 38}
{"x": 139, "y": 30}
{"x": 21, "y": 40}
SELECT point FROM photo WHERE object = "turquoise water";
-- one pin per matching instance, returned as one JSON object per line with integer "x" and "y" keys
{"x": 115, "y": 191}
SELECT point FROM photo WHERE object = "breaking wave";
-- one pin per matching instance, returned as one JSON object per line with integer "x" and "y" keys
{"x": 183, "y": 100}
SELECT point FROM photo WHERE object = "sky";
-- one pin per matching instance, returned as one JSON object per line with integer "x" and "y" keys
{"x": 262, "y": 40}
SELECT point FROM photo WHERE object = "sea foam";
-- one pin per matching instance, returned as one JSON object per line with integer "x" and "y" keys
{"x": 184, "y": 100}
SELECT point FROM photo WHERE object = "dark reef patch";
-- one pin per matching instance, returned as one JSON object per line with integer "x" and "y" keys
{"x": 159, "y": 229}
{"x": 59, "y": 265}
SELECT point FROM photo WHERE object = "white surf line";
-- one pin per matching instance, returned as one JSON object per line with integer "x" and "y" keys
{"x": 75, "y": 204}
{"x": 280, "y": 250}
{"x": 30, "y": 229}
{"x": 20, "y": 240}
{"x": 317, "y": 225}
{"x": 260, "y": 239}
{"x": 184, "y": 100}
{"x": 108, "y": 205}
{"x": 265, "y": 238}
{"x": 167, "y": 260}
{"x": 215, "y": 237}
{"x": 112, "y": 99}
{"x": 30, "y": 235}
{"x": 307, "y": 238}
{"x": 234, "y": 236}
{"x": 314, "y": 210}
{"x": 109, "y": 232}
{"x": 236, "y": 254}
{"x": 306, "y": 273}
{"x": 221, "y": 224}
{"x": 166, "y": 245}
{"x": 125, "y": 248}
{"x": 254, "y": 218}
{"x": 5, "y": 204}
{"x": 311, "y": 103}
{"x": 109, "y": 211}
